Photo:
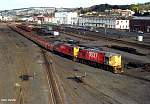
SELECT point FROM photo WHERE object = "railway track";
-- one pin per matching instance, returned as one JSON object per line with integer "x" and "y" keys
{"x": 135, "y": 77}
{"x": 95, "y": 92}
{"x": 54, "y": 88}
{"x": 94, "y": 37}
{"x": 55, "y": 95}
{"x": 88, "y": 87}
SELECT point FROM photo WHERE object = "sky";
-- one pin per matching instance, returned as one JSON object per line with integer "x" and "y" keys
{"x": 15, "y": 4}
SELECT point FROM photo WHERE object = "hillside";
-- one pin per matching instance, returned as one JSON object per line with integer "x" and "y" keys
{"x": 103, "y": 7}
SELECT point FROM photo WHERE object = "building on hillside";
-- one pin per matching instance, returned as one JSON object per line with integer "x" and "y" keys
{"x": 124, "y": 13}
{"x": 103, "y": 21}
{"x": 26, "y": 18}
{"x": 6, "y": 18}
{"x": 35, "y": 10}
{"x": 140, "y": 24}
{"x": 41, "y": 19}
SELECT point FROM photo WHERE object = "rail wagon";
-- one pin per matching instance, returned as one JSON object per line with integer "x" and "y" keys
{"x": 50, "y": 47}
{"x": 25, "y": 27}
{"x": 56, "y": 47}
{"x": 64, "y": 49}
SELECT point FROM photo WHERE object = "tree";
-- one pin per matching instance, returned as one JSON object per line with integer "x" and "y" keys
{"x": 136, "y": 8}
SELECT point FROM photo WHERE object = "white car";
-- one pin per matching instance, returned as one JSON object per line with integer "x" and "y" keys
{"x": 96, "y": 31}
{"x": 140, "y": 32}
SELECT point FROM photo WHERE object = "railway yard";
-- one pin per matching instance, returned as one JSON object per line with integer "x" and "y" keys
{"x": 31, "y": 73}
{"x": 20, "y": 57}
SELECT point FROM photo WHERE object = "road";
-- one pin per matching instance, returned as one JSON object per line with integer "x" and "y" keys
{"x": 19, "y": 56}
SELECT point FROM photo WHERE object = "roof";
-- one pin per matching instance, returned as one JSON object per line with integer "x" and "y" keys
{"x": 110, "y": 54}
{"x": 141, "y": 18}
{"x": 93, "y": 49}
{"x": 107, "y": 17}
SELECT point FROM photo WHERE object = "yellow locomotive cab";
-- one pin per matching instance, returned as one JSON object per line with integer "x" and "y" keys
{"x": 115, "y": 60}
{"x": 116, "y": 63}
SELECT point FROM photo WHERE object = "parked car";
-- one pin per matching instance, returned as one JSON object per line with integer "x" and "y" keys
{"x": 140, "y": 32}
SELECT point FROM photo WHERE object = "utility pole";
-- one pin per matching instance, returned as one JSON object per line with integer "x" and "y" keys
{"x": 105, "y": 29}
{"x": 21, "y": 96}
{"x": 20, "y": 100}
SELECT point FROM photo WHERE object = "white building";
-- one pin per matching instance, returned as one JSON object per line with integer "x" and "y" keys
{"x": 124, "y": 13}
{"x": 69, "y": 18}
{"x": 109, "y": 22}
{"x": 26, "y": 19}
{"x": 43, "y": 19}
{"x": 122, "y": 24}
{"x": 6, "y": 18}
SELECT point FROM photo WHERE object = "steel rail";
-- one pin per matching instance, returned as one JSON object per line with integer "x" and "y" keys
{"x": 52, "y": 80}
{"x": 93, "y": 37}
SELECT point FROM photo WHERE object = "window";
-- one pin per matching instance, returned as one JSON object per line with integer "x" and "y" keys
{"x": 117, "y": 22}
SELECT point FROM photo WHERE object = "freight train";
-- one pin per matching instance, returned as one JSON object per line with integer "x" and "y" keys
{"x": 92, "y": 56}
{"x": 25, "y": 27}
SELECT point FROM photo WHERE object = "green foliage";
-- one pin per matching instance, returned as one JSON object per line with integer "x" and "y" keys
{"x": 135, "y": 8}
{"x": 145, "y": 6}
{"x": 102, "y": 7}
{"x": 139, "y": 7}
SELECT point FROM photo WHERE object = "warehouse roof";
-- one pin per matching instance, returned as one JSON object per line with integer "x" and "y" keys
{"x": 141, "y": 18}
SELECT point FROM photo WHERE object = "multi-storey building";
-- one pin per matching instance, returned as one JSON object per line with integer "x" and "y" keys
{"x": 104, "y": 21}
{"x": 69, "y": 18}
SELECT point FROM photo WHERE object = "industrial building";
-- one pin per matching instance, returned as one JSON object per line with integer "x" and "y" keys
{"x": 140, "y": 24}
